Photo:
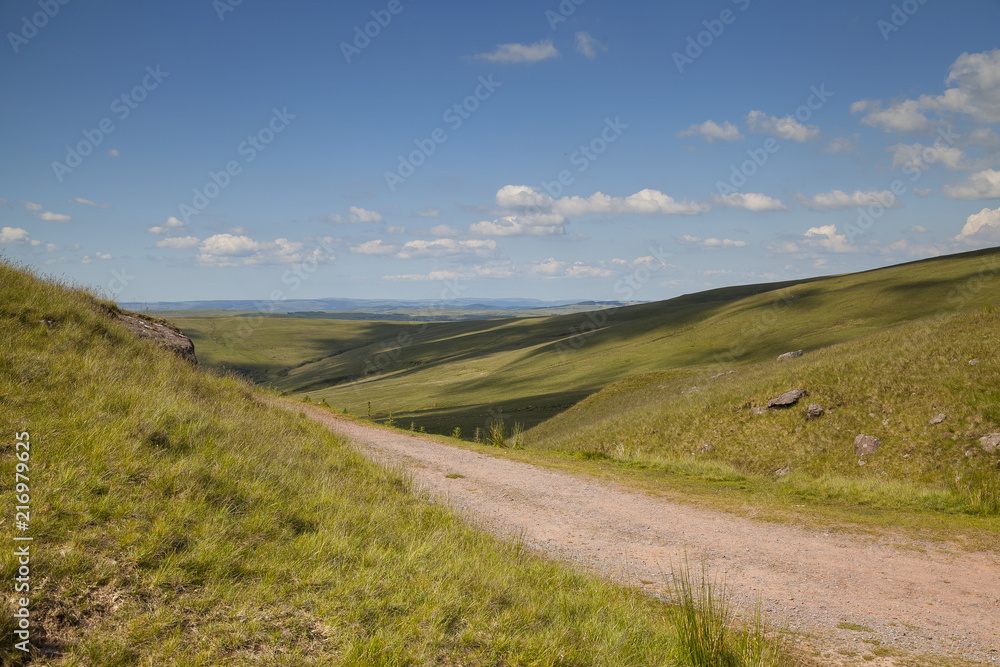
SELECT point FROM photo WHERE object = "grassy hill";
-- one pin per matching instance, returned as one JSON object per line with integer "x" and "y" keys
{"x": 446, "y": 375}
{"x": 177, "y": 519}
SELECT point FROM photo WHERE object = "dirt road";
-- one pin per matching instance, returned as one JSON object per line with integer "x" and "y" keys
{"x": 884, "y": 598}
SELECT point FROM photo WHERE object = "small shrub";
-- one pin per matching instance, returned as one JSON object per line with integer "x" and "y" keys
{"x": 457, "y": 433}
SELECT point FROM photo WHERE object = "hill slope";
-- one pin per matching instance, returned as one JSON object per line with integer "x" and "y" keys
{"x": 178, "y": 520}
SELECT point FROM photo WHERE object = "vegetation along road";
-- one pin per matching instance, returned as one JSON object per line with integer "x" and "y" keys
{"x": 846, "y": 594}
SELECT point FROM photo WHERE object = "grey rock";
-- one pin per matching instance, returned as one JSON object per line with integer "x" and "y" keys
{"x": 866, "y": 444}
{"x": 940, "y": 417}
{"x": 161, "y": 332}
{"x": 814, "y": 411}
{"x": 990, "y": 443}
{"x": 781, "y": 472}
{"x": 758, "y": 410}
{"x": 790, "y": 397}
{"x": 973, "y": 362}
{"x": 790, "y": 355}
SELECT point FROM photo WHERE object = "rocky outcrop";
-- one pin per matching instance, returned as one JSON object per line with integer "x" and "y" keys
{"x": 790, "y": 355}
{"x": 161, "y": 332}
{"x": 990, "y": 443}
{"x": 814, "y": 411}
{"x": 866, "y": 444}
{"x": 789, "y": 398}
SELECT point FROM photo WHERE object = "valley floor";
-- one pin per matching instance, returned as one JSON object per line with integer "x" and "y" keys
{"x": 845, "y": 600}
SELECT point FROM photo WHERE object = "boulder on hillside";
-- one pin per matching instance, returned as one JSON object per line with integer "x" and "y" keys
{"x": 789, "y": 398}
{"x": 790, "y": 355}
{"x": 866, "y": 444}
{"x": 990, "y": 443}
{"x": 814, "y": 411}
{"x": 161, "y": 332}
{"x": 937, "y": 419}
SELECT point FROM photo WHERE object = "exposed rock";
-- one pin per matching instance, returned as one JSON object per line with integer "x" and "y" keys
{"x": 939, "y": 418}
{"x": 990, "y": 443}
{"x": 161, "y": 332}
{"x": 706, "y": 448}
{"x": 866, "y": 444}
{"x": 758, "y": 410}
{"x": 781, "y": 472}
{"x": 790, "y": 355}
{"x": 973, "y": 362}
{"x": 814, "y": 411}
{"x": 790, "y": 397}
{"x": 971, "y": 452}
{"x": 722, "y": 374}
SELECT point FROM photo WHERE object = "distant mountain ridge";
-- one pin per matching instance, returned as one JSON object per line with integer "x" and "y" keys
{"x": 362, "y": 305}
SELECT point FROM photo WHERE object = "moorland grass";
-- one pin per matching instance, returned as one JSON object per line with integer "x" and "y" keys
{"x": 179, "y": 520}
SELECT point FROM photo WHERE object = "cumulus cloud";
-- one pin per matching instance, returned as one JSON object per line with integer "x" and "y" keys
{"x": 178, "y": 242}
{"x": 171, "y": 226}
{"x": 225, "y": 250}
{"x": 713, "y": 132}
{"x": 513, "y": 225}
{"x": 103, "y": 255}
{"x": 553, "y": 268}
{"x": 395, "y": 230}
{"x": 974, "y": 80}
{"x": 647, "y": 202}
{"x": 587, "y": 45}
{"x": 376, "y": 247}
{"x": 356, "y": 215}
{"x": 88, "y": 202}
{"x": 710, "y": 242}
{"x": 919, "y": 157}
{"x": 443, "y": 230}
{"x": 521, "y": 53}
{"x": 750, "y": 201}
{"x": 13, "y": 235}
{"x": 982, "y": 185}
{"x": 828, "y": 238}
{"x": 54, "y": 217}
{"x": 32, "y": 206}
{"x": 448, "y": 248}
{"x": 838, "y": 199}
{"x": 783, "y": 128}
{"x": 982, "y": 226}
{"x": 428, "y": 212}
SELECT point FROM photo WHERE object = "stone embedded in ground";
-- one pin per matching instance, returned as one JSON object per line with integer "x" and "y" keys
{"x": 790, "y": 397}
{"x": 815, "y": 411}
{"x": 866, "y": 444}
{"x": 970, "y": 452}
{"x": 781, "y": 472}
{"x": 790, "y": 355}
{"x": 990, "y": 443}
{"x": 973, "y": 362}
{"x": 939, "y": 418}
{"x": 707, "y": 447}
{"x": 758, "y": 411}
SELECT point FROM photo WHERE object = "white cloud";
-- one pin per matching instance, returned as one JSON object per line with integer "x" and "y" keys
{"x": 32, "y": 206}
{"x": 918, "y": 229}
{"x": 171, "y": 226}
{"x": 86, "y": 259}
{"x": 982, "y": 226}
{"x": 225, "y": 250}
{"x": 783, "y": 128}
{"x": 53, "y": 217}
{"x": 975, "y": 91}
{"x": 376, "y": 247}
{"x": 103, "y": 255}
{"x": 13, "y": 235}
{"x": 395, "y": 230}
{"x": 428, "y": 212}
{"x": 356, "y": 214}
{"x": 114, "y": 152}
{"x": 521, "y": 53}
{"x": 840, "y": 145}
{"x": 750, "y": 201}
{"x": 587, "y": 45}
{"x": 838, "y": 199}
{"x": 905, "y": 116}
{"x": 647, "y": 202}
{"x": 513, "y": 225}
{"x": 178, "y": 242}
{"x": 710, "y": 243}
{"x": 919, "y": 157}
{"x": 443, "y": 230}
{"x": 87, "y": 202}
{"x": 828, "y": 238}
{"x": 982, "y": 185}
{"x": 553, "y": 268}
{"x": 522, "y": 196}
{"x": 448, "y": 248}
{"x": 712, "y": 131}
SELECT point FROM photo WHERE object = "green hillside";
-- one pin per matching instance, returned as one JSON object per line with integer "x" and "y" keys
{"x": 176, "y": 519}
{"x": 446, "y": 375}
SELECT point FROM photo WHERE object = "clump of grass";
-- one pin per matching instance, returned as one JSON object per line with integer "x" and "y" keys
{"x": 707, "y": 635}
{"x": 496, "y": 435}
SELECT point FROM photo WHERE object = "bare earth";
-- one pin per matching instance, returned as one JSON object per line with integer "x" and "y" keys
{"x": 921, "y": 602}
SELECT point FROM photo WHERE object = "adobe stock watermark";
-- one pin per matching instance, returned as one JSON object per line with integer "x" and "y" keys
{"x": 248, "y": 149}
{"x": 898, "y": 17}
{"x": 223, "y": 7}
{"x": 585, "y": 155}
{"x": 562, "y": 13}
{"x": 741, "y": 173}
{"x": 122, "y": 107}
{"x": 31, "y": 25}
{"x": 363, "y": 35}
{"x": 915, "y": 169}
{"x": 455, "y": 116}
{"x": 697, "y": 44}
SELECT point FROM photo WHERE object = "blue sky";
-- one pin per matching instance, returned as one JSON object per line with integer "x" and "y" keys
{"x": 583, "y": 149}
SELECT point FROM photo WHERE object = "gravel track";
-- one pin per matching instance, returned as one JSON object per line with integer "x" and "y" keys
{"x": 914, "y": 598}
